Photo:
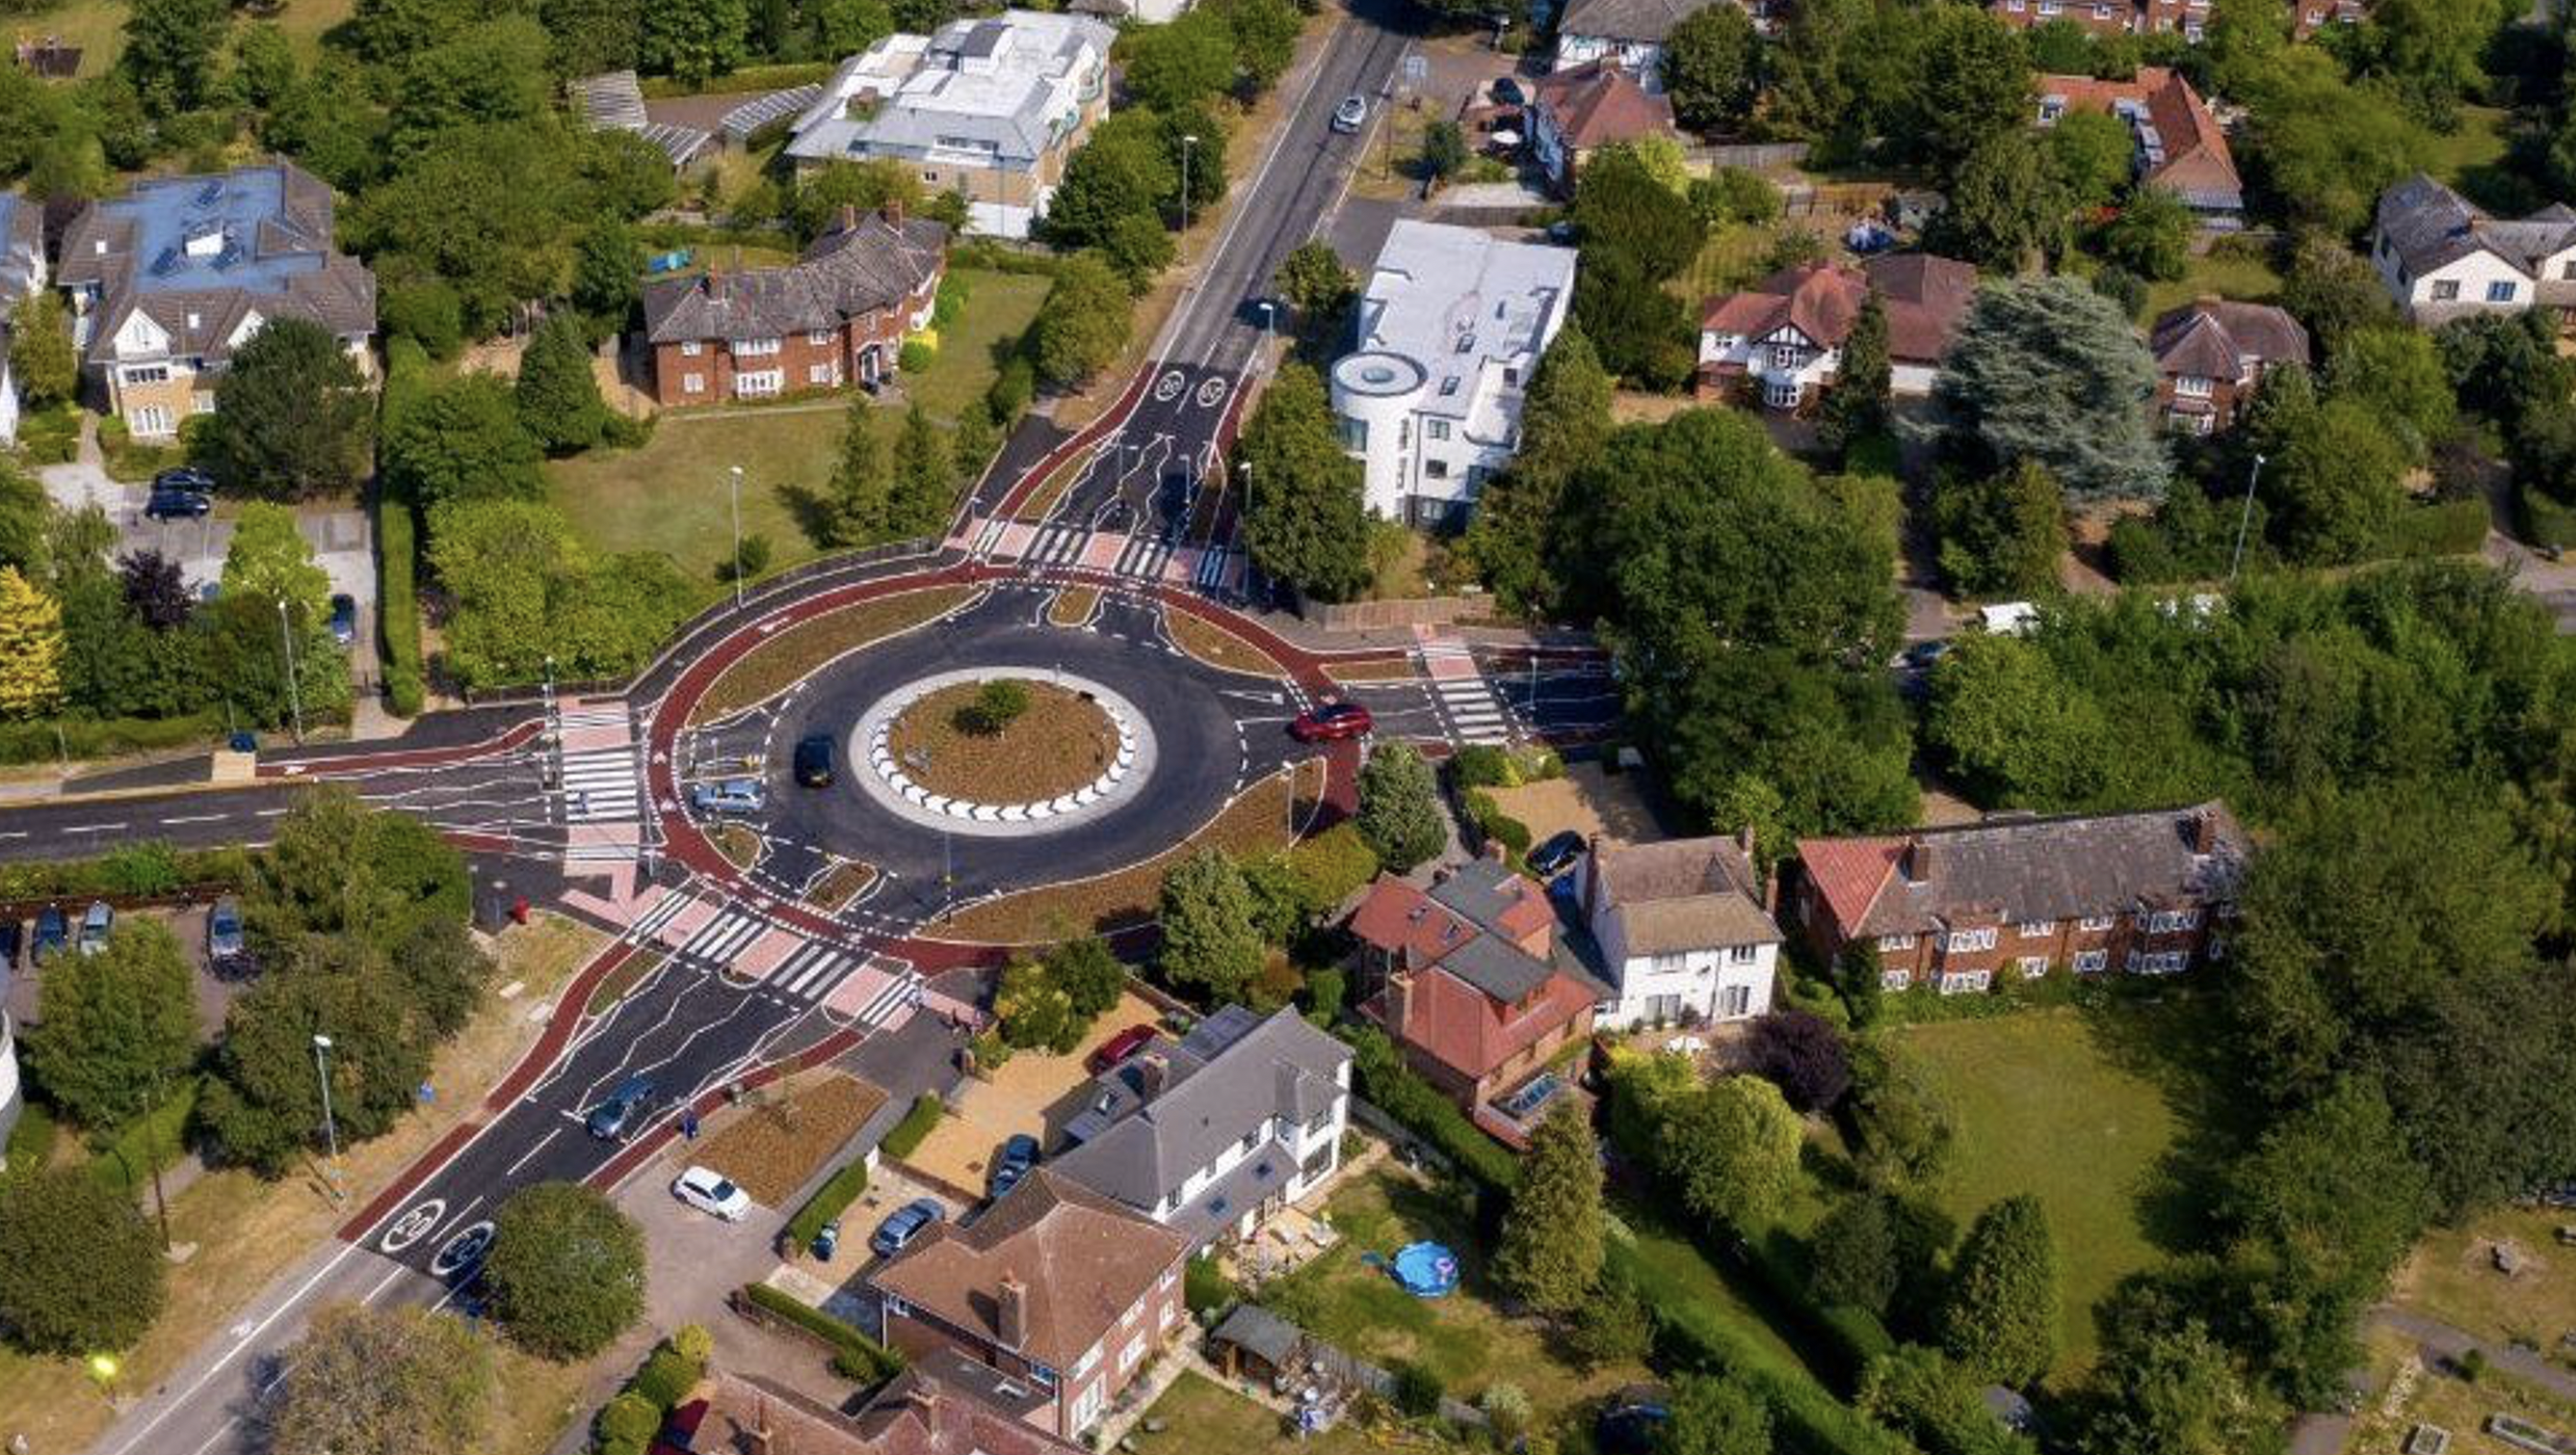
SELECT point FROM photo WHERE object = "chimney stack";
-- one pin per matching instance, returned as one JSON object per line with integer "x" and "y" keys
{"x": 1399, "y": 1000}
{"x": 1919, "y": 859}
{"x": 1013, "y": 1313}
{"x": 2204, "y": 830}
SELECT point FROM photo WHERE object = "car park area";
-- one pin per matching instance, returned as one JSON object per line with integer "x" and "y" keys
{"x": 1032, "y": 1094}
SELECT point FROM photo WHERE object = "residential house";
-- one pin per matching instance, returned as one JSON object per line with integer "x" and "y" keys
{"x": 1630, "y": 34}
{"x": 169, "y": 280}
{"x": 1212, "y": 1133}
{"x": 1682, "y": 929}
{"x": 939, "y": 1407}
{"x": 838, "y": 316}
{"x": 2210, "y": 355}
{"x": 1150, "y": 12}
{"x": 1476, "y": 983}
{"x": 1783, "y": 337}
{"x": 1059, "y": 1289}
{"x": 1956, "y": 907}
{"x": 2180, "y": 147}
{"x": 989, "y": 108}
{"x": 1576, "y": 112}
{"x": 2441, "y": 258}
{"x": 22, "y": 276}
{"x": 1448, "y": 331}
{"x": 2189, "y": 18}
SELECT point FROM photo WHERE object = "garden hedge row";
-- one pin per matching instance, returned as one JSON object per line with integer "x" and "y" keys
{"x": 828, "y": 1202}
{"x": 2544, "y": 522}
{"x": 907, "y": 1136}
{"x": 110, "y": 737}
{"x": 1386, "y": 1083}
{"x": 142, "y": 870}
{"x": 2451, "y": 528}
{"x": 854, "y": 1355}
{"x": 1840, "y": 1339}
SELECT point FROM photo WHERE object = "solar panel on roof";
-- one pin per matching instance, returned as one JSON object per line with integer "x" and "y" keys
{"x": 210, "y": 194}
{"x": 165, "y": 264}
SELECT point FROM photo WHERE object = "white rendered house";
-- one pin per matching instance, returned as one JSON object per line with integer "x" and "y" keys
{"x": 22, "y": 276}
{"x": 2441, "y": 258}
{"x": 1682, "y": 931}
{"x": 1449, "y": 331}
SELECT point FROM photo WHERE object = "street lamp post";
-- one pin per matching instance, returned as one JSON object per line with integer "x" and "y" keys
{"x": 294, "y": 693}
{"x": 737, "y": 537}
{"x": 1187, "y": 142}
{"x": 330, "y": 1128}
{"x": 2242, "y": 517}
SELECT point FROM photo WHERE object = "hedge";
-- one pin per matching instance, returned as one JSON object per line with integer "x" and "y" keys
{"x": 1482, "y": 765}
{"x": 741, "y": 81}
{"x": 853, "y": 1352}
{"x": 1393, "y": 1088}
{"x": 2452, "y": 528}
{"x": 398, "y": 607}
{"x": 828, "y": 1202}
{"x": 1492, "y": 823}
{"x": 906, "y": 1138}
{"x": 1841, "y": 1339}
{"x": 2545, "y": 522}
{"x": 139, "y": 870}
{"x": 1332, "y": 866}
{"x": 110, "y": 737}
{"x": 1205, "y": 1288}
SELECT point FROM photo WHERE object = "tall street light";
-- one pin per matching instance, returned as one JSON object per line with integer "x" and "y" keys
{"x": 737, "y": 537}
{"x": 330, "y": 1128}
{"x": 294, "y": 694}
{"x": 2242, "y": 517}
{"x": 1187, "y": 142}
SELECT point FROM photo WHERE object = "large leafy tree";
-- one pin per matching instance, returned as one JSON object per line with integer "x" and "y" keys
{"x": 462, "y": 439}
{"x": 2091, "y": 153}
{"x": 40, "y": 351}
{"x": 1551, "y": 1250}
{"x": 1852, "y": 1259}
{"x": 2001, "y": 534}
{"x": 1399, "y": 812}
{"x": 1209, "y": 937}
{"x": 80, "y": 1271}
{"x": 170, "y": 48}
{"x": 566, "y": 1270}
{"x": 1932, "y": 1399}
{"x": 339, "y": 868}
{"x": 2396, "y": 374}
{"x": 2152, "y": 235}
{"x": 2175, "y": 1391}
{"x": 1514, "y": 536}
{"x": 1731, "y": 1146}
{"x": 1856, "y": 408}
{"x": 270, "y": 562}
{"x": 925, "y": 477}
{"x": 2047, "y": 369}
{"x": 858, "y": 510}
{"x": 490, "y": 73}
{"x": 383, "y": 1379}
{"x": 293, "y": 416}
{"x": 116, "y": 1027}
{"x": 2007, "y": 209}
{"x": 558, "y": 391}
{"x": 1181, "y": 63}
{"x": 691, "y": 40}
{"x": 2334, "y": 478}
{"x": 2001, "y": 1315}
{"x": 1314, "y": 281}
{"x": 31, "y": 647}
{"x": 1304, "y": 520}
{"x": 1125, "y": 171}
{"x": 1709, "y": 67}
{"x": 1085, "y": 321}
{"x": 1974, "y": 84}
{"x": 1716, "y": 1414}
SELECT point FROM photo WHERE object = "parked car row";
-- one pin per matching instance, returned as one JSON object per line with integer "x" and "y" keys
{"x": 55, "y": 931}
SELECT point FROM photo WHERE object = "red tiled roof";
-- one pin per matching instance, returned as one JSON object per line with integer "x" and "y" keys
{"x": 1925, "y": 297}
{"x": 1471, "y": 1033}
{"x": 1402, "y": 920}
{"x": 2196, "y": 155}
{"x": 1848, "y": 873}
{"x": 1597, "y": 103}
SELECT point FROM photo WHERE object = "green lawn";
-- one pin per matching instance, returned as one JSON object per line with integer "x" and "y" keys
{"x": 2094, "y": 1112}
{"x": 98, "y": 26}
{"x": 2243, "y": 276}
{"x": 672, "y": 495}
{"x": 2476, "y": 148}
{"x": 1198, "y": 1414}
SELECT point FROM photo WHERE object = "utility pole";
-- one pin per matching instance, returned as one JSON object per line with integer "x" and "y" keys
{"x": 152, "y": 1150}
{"x": 2243, "y": 516}
{"x": 736, "y": 573}
{"x": 294, "y": 693}
{"x": 330, "y": 1129}
{"x": 1187, "y": 142}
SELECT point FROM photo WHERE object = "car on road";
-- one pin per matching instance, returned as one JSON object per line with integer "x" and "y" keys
{"x": 344, "y": 619}
{"x": 728, "y": 795}
{"x": 710, "y": 1191}
{"x": 1351, "y": 115}
{"x": 53, "y": 933}
{"x": 814, "y": 760}
{"x": 224, "y": 932}
{"x": 96, "y": 921}
{"x": 613, "y": 1119}
{"x": 1329, "y": 722}
{"x": 1118, "y": 1048}
{"x": 177, "y": 502}
{"x": 1555, "y": 854}
{"x": 905, "y": 1224}
{"x": 1019, "y": 1154}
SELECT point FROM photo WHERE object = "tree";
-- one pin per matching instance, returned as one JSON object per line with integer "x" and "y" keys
{"x": 1903, "y": 1129}
{"x": 1033, "y": 1010}
{"x": 608, "y": 274}
{"x": 692, "y": 40}
{"x": 2152, "y": 235}
{"x": 1444, "y": 151}
{"x": 293, "y": 417}
{"x": 80, "y": 1270}
{"x": 1856, "y": 407}
{"x": 40, "y": 352}
{"x": 270, "y": 562}
{"x": 2177, "y": 1392}
{"x": 2008, "y": 722}
{"x": 1974, "y": 85}
{"x": 1917, "y": 1392}
{"x": 860, "y": 508}
{"x": 1551, "y": 1249}
{"x": 465, "y": 438}
{"x": 1314, "y": 281}
{"x": 2001, "y": 535}
{"x": 822, "y": 196}
{"x": 489, "y": 73}
{"x": 31, "y": 648}
{"x": 925, "y": 478}
{"x": 2001, "y": 1316}
{"x": 1852, "y": 1257}
{"x": 1709, "y": 68}
{"x": 2092, "y": 155}
{"x": 2335, "y": 480}
{"x": 1610, "y": 1328}
{"x": 2048, "y": 370}
{"x": 1716, "y": 1414}
{"x": 1565, "y": 419}
{"x": 115, "y": 1028}
{"x": 27, "y": 524}
{"x": 2323, "y": 149}
{"x": 592, "y": 37}
{"x": 566, "y": 1270}
{"x": 1265, "y": 37}
{"x": 383, "y": 1379}
{"x": 1124, "y": 171}
{"x": 1732, "y": 1147}
{"x": 2334, "y": 1186}
{"x": 1642, "y": 332}
{"x": 558, "y": 391}
{"x": 1801, "y": 1053}
{"x": 1305, "y": 522}
{"x": 2395, "y": 373}
{"x": 1088, "y": 973}
{"x": 1180, "y": 63}
{"x": 170, "y": 48}
{"x": 151, "y": 584}
{"x": 1084, "y": 322}
{"x": 1209, "y": 939}
{"x": 340, "y": 869}
{"x": 2007, "y": 208}
{"x": 1620, "y": 205}
{"x": 2332, "y": 291}
{"x": 1399, "y": 813}
{"x": 2428, "y": 51}
{"x": 264, "y": 1110}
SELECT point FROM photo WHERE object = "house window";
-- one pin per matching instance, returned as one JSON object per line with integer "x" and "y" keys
{"x": 1894, "y": 979}
{"x": 822, "y": 374}
{"x": 1089, "y": 1361}
{"x": 1781, "y": 393}
{"x": 1959, "y": 981}
{"x": 691, "y": 348}
{"x": 1437, "y": 429}
{"x": 759, "y": 383}
{"x": 820, "y": 338}
{"x": 2032, "y": 966}
{"x": 2094, "y": 924}
{"x": 1963, "y": 942}
{"x": 754, "y": 347}
{"x": 1134, "y": 1351}
{"x": 1784, "y": 357}
{"x": 148, "y": 374}
{"x": 1735, "y": 1002}
{"x": 1354, "y": 434}
{"x": 2163, "y": 962}
{"x": 1742, "y": 954}
{"x": 2502, "y": 290}
{"x": 2088, "y": 962}
{"x": 693, "y": 383}
{"x": 2192, "y": 386}
{"x": 2172, "y": 921}
{"x": 1436, "y": 469}
{"x": 201, "y": 403}
{"x": 1887, "y": 943}
{"x": 150, "y": 419}
{"x": 2036, "y": 929}
{"x": 2445, "y": 289}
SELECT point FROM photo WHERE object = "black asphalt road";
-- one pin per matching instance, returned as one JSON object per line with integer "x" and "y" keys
{"x": 1214, "y": 732}
{"x": 201, "y": 819}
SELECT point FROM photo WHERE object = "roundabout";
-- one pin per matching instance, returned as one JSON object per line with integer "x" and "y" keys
{"x": 1076, "y": 752}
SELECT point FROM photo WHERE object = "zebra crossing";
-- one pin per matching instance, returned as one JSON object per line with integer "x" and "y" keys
{"x": 1466, "y": 699}
{"x": 1057, "y": 545}
{"x": 811, "y": 972}
{"x": 721, "y": 940}
{"x": 745, "y": 947}
{"x": 1141, "y": 557}
{"x": 599, "y": 782}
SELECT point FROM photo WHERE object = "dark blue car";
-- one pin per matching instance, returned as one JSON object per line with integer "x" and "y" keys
{"x": 611, "y": 1120}
{"x": 1019, "y": 1154}
{"x": 907, "y": 1223}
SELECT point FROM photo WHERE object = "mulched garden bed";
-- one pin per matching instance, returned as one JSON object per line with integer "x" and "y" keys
{"x": 770, "y": 1149}
{"x": 1061, "y": 743}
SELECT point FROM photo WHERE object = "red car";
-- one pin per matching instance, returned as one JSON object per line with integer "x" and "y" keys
{"x": 1119, "y": 1047}
{"x": 1331, "y": 722}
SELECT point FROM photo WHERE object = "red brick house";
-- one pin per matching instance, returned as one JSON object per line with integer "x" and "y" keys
{"x": 1057, "y": 1287}
{"x": 836, "y": 317}
{"x": 1955, "y": 908}
{"x": 2150, "y": 17}
{"x": 1782, "y": 338}
{"x": 946, "y": 1408}
{"x": 1474, "y": 981}
{"x": 2210, "y": 355}
{"x": 1575, "y": 113}
{"x": 2179, "y": 146}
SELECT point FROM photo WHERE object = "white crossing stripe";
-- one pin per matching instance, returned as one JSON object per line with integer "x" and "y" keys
{"x": 1057, "y": 544}
{"x": 1144, "y": 557}
{"x": 891, "y": 1000}
{"x": 661, "y": 912}
{"x": 811, "y": 970}
{"x": 722, "y": 938}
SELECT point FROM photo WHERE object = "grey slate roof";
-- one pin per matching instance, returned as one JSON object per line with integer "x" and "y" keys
{"x": 2036, "y": 869}
{"x": 1224, "y": 1081}
{"x": 22, "y": 251}
{"x": 2221, "y": 339}
{"x": 1259, "y": 1332}
{"x": 2432, "y": 226}
{"x": 615, "y": 102}
{"x": 848, "y": 272}
{"x": 1632, "y": 20}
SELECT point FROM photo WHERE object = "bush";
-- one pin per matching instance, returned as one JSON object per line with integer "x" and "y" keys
{"x": 908, "y": 1134}
{"x": 828, "y": 1202}
{"x": 1417, "y": 1389}
{"x": 1389, "y": 1085}
{"x": 666, "y": 1378}
{"x": 2544, "y": 522}
{"x": 1491, "y": 823}
{"x": 1011, "y": 391}
{"x": 1206, "y": 1289}
{"x": 116, "y": 873}
{"x": 115, "y": 737}
{"x": 398, "y": 607}
{"x": 915, "y": 355}
{"x": 2451, "y": 528}
{"x": 854, "y": 1354}
{"x": 996, "y": 706}
{"x": 1332, "y": 866}
{"x": 2124, "y": 288}
{"x": 1482, "y": 765}
{"x": 629, "y": 1419}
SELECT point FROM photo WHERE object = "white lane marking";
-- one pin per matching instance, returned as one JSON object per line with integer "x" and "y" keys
{"x": 540, "y": 1145}
{"x": 197, "y": 818}
{"x": 94, "y": 828}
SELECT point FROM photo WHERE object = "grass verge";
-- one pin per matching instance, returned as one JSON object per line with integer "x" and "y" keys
{"x": 737, "y": 842}
{"x": 1216, "y": 646}
{"x": 1057, "y": 745}
{"x": 769, "y": 1150}
{"x": 788, "y": 657}
{"x": 1073, "y": 605}
{"x": 846, "y": 880}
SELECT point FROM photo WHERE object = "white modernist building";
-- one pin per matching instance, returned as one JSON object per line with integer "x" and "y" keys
{"x": 1682, "y": 931}
{"x": 1449, "y": 331}
{"x": 11, "y": 1103}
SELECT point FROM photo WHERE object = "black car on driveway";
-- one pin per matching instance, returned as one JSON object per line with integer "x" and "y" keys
{"x": 1555, "y": 854}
